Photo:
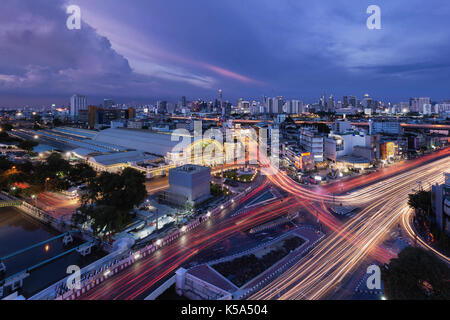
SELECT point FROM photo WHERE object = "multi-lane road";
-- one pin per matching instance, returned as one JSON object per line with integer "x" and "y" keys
{"x": 382, "y": 195}
{"x": 143, "y": 277}
{"x": 385, "y": 204}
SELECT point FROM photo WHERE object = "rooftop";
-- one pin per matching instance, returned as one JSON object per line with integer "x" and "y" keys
{"x": 143, "y": 140}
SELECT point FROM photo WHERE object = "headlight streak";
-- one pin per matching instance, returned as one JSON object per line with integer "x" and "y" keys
{"x": 326, "y": 265}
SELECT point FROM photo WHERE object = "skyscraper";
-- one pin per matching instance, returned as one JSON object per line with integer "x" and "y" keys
{"x": 344, "y": 101}
{"x": 108, "y": 103}
{"x": 352, "y": 101}
{"x": 416, "y": 104}
{"x": 77, "y": 102}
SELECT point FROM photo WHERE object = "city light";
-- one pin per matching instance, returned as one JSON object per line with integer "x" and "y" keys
{"x": 138, "y": 165}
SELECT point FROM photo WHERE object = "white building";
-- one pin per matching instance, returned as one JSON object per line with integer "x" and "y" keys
{"x": 312, "y": 142}
{"x": 190, "y": 182}
{"x": 293, "y": 107}
{"x": 275, "y": 105}
{"x": 77, "y": 103}
{"x": 341, "y": 126}
{"x": 416, "y": 104}
{"x": 342, "y": 144}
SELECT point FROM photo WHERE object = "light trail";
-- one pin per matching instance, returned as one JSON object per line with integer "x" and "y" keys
{"x": 335, "y": 257}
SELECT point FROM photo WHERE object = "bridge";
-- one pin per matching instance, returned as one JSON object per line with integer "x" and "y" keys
{"x": 430, "y": 126}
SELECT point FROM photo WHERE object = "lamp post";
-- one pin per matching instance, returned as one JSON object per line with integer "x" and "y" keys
{"x": 46, "y": 183}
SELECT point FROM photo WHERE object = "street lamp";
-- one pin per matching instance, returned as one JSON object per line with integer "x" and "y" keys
{"x": 46, "y": 183}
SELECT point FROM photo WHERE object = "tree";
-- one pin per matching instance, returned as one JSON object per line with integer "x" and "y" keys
{"x": 81, "y": 173}
{"x": 323, "y": 128}
{"x": 109, "y": 199}
{"x": 27, "y": 145}
{"x": 416, "y": 274}
{"x": 5, "y": 164}
{"x": 420, "y": 200}
{"x": 7, "y": 127}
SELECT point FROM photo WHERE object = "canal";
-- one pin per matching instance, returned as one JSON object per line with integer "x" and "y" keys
{"x": 19, "y": 231}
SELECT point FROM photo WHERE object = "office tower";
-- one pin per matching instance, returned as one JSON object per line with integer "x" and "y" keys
{"x": 276, "y": 105}
{"x": 416, "y": 104}
{"x": 77, "y": 102}
{"x": 297, "y": 107}
{"x": 226, "y": 109}
{"x": 161, "y": 107}
{"x": 108, "y": 103}
{"x": 352, "y": 101}
{"x": 344, "y": 101}
{"x": 131, "y": 113}
{"x": 93, "y": 119}
{"x": 330, "y": 104}
{"x": 220, "y": 98}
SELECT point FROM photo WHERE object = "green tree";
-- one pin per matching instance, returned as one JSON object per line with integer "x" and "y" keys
{"x": 6, "y": 127}
{"x": 416, "y": 274}
{"x": 109, "y": 199}
{"x": 81, "y": 173}
{"x": 420, "y": 200}
{"x": 27, "y": 145}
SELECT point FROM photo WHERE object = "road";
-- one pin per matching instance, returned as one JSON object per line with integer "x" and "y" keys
{"x": 143, "y": 277}
{"x": 332, "y": 260}
{"x": 339, "y": 254}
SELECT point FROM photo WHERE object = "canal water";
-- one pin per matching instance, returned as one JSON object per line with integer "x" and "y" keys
{"x": 19, "y": 231}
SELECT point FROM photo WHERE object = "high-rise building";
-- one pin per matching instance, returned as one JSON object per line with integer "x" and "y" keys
{"x": 275, "y": 105}
{"x": 108, "y": 103}
{"x": 294, "y": 107}
{"x": 353, "y": 101}
{"x": 226, "y": 109}
{"x": 416, "y": 104}
{"x": 330, "y": 104}
{"x": 131, "y": 113}
{"x": 93, "y": 119}
{"x": 77, "y": 102}
{"x": 220, "y": 98}
{"x": 367, "y": 102}
{"x": 161, "y": 107}
{"x": 344, "y": 101}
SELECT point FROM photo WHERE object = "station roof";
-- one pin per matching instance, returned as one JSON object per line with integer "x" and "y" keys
{"x": 143, "y": 140}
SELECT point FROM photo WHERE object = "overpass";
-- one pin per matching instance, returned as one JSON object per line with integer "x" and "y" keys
{"x": 366, "y": 124}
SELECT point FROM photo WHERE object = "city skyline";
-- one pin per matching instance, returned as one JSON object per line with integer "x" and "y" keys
{"x": 154, "y": 51}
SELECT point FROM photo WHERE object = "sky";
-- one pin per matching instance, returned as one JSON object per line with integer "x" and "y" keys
{"x": 148, "y": 50}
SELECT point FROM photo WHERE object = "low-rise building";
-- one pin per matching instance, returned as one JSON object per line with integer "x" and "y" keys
{"x": 188, "y": 184}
